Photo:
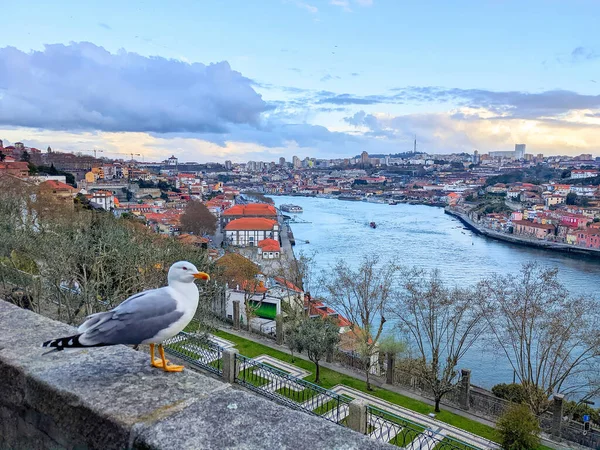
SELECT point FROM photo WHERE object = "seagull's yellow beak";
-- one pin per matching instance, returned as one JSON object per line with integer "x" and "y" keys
{"x": 202, "y": 276}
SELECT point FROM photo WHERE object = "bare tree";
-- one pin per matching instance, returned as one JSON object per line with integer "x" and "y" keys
{"x": 551, "y": 340}
{"x": 197, "y": 219}
{"x": 442, "y": 323}
{"x": 363, "y": 296}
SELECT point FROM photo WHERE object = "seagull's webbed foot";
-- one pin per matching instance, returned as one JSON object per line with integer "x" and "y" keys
{"x": 163, "y": 363}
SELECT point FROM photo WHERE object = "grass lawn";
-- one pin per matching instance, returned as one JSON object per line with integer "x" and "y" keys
{"x": 250, "y": 377}
{"x": 331, "y": 378}
{"x": 329, "y": 405}
{"x": 297, "y": 396}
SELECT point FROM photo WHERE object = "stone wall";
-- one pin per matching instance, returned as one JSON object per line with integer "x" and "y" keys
{"x": 110, "y": 398}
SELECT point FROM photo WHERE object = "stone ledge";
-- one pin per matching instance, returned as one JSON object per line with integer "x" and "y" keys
{"x": 110, "y": 398}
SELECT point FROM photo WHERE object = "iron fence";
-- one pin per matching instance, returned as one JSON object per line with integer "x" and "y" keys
{"x": 197, "y": 351}
{"x": 291, "y": 391}
{"x": 387, "y": 427}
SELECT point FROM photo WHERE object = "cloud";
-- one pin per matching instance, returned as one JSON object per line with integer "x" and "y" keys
{"x": 83, "y": 86}
{"x": 507, "y": 103}
{"x": 305, "y": 6}
{"x": 105, "y": 26}
{"x": 348, "y": 99}
{"x": 583, "y": 54}
{"x": 354, "y": 74}
{"x": 465, "y": 129}
{"x": 345, "y": 4}
{"x": 329, "y": 77}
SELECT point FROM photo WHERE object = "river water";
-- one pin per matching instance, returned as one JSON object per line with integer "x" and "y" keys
{"x": 423, "y": 236}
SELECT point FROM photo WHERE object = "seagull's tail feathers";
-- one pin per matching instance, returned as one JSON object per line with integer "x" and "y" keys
{"x": 65, "y": 342}
{"x": 68, "y": 342}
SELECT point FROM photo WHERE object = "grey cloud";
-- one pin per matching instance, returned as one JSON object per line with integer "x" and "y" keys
{"x": 511, "y": 103}
{"x": 105, "y": 26}
{"x": 81, "y": 86}
{"x": 354, "y": 74}
{"x": 348, "y": 99}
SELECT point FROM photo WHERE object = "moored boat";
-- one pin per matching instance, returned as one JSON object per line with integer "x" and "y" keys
{"x": 288, "y": 207}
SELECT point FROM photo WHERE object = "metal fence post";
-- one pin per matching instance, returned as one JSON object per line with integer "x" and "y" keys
{"x": 230, "y": 369}
{"x": 357, "y": 416}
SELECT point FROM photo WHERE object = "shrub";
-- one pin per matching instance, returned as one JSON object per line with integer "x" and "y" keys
{"x": 513, "y": 392}
{"x": 518, "y": 429}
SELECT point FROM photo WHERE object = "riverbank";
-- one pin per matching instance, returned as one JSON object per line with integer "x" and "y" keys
{"x": 533, "y": 243}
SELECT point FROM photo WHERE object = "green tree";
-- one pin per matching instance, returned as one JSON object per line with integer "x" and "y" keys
{"x": 25, "y": 157}
{"x": 197, "y": 219}
{"x": 518, "y": 428}
{"x": 318, "y": 337}
{"x": 571, "y": 198}
{"x": 2, "y": 156}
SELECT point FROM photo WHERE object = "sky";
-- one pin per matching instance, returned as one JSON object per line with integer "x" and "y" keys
{"x": 212, "y": 80}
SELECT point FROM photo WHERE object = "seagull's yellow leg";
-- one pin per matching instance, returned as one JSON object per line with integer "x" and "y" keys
{"x": 155, "y": 362}
{"x": 169, "y": 367}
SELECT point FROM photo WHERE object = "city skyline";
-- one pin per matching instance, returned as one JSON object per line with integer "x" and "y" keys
{"x": 325, "y": 79}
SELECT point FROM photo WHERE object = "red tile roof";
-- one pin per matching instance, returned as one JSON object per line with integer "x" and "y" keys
{"x": 251, "y": 223}
{"x": 251, "y": 209}
{"x": 53, "y": 184}
{"x": 287, "y": 284}
{"x": 527, "y": 223}
{"x": 269, "y": 245}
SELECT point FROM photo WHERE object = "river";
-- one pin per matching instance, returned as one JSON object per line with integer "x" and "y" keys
{"x": 424, "y": 236}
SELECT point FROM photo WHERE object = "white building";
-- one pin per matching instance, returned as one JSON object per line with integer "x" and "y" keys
{"x": 584, "y": 173}
{"x": 249, "y": 231}
{"x": 102, "y": 199}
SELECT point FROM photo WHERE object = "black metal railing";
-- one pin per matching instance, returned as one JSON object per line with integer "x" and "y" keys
{"x": 387, "y": 427}
{"x": 197, "y": 351}
{"x": 291, "y": 391}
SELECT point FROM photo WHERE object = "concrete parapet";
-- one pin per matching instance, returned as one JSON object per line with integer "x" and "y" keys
{"x": 110, "y": 398}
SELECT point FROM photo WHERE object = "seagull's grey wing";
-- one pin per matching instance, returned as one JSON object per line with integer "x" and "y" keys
{"x": 138, "y": 318}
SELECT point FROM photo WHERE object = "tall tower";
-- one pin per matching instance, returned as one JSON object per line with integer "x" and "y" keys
{"x": 520, "y": 151}
{"x": 415, "y": 146}
{"x": 364, "y": 157}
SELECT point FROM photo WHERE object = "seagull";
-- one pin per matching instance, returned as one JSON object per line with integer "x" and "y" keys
{"x": 149, "y": 317}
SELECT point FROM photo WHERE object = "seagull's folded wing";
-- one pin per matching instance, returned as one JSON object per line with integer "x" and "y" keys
{"x": 140, "y": 317}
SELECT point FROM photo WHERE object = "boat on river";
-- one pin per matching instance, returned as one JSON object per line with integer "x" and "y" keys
{"x": 373, "y": 225}
{"x": 288, "y": 207}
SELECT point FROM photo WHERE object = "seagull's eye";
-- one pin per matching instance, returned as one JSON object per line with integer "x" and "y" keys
{"x": 184, "y": 268}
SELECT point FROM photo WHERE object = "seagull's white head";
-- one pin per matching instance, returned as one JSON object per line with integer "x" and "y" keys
{"x": 185, "y": 272}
